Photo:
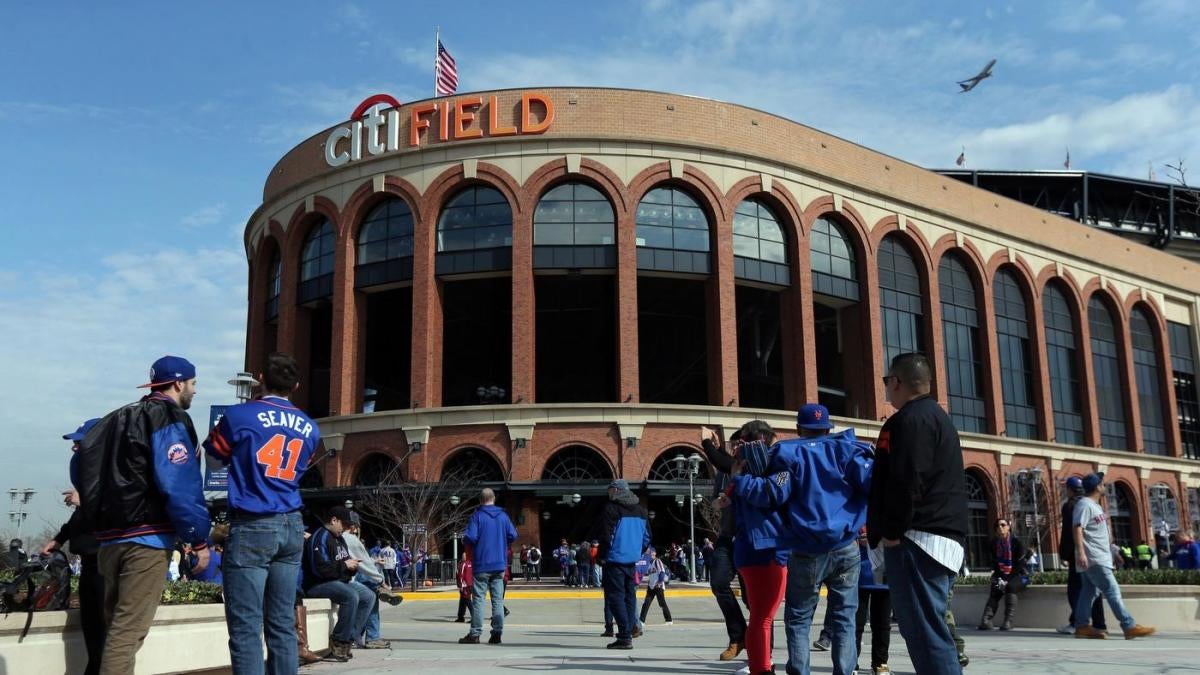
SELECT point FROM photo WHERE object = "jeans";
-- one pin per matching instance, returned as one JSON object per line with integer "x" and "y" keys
{"x": 1074, "y": 585}
{"x": 659, "y": 594}
{"x": 597, "y": 577}
{"x": 920, "y": 588}
{"x": 354, "y": 602}
{"x": 488, "y": 582}
{"x": 877, "y": 605}
{"x": 720, "y": 574}
{"x": 371, "y": 630}
{"x": 403, "y": 574}
{"x": 261, "y": 561}
{"x": 838, "y": 570}
{"x": 584, "y": 575}
{"x": 1100, "y": 580}
{"x": 620, "y": 595}
{"x": 91, "y": 610}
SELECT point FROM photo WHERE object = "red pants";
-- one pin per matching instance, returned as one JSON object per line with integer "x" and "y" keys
{"x": 764, "y": 586}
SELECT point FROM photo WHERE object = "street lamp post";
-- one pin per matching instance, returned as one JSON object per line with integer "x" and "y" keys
{"x": 19, "y": 498}
{"x": 692, "y": 468}
{"x": 1034, "y": 477}
{"x": 454, "y": 501}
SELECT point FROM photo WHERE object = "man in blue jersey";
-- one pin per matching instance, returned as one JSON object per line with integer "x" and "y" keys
{"x": 267, "y": 444}
{"x": 140, "y": 489}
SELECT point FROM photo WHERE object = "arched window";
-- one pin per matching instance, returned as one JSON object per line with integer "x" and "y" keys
{"x": 978, "y": 531}
{"x": 274, "y": 285}
{"x": 575, "y": 464}
{"x": 759, "y": 251}
{"x": 1149, "y": 389}
{"x": 385, "y": 244}
{"x": 672, "y": 232}
{"x": 960, "y": 342}
{"x": 474, "y": 232}
{"x": 377, "y": 469}
{"x": 1106, "y": 364}
{"x": 900, "y": 300}
{"x": 1187, "y": 397}
{"x": 1120, "y": 514}
{"x": 1012, "y": 340}
{"x": 573, "y": 227}
{"x": 1193, "y": 496}
{"x": 832, "y": 257}
{"x": 666, "y": 468}
{"x": 1063, "y": 364}
{"x": 316, "y": 264}
{"x": 472, "y": 465}
{"x": 1164, "y": 509}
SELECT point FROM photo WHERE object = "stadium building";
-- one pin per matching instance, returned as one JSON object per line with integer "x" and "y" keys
{"x": 546, "y": 289}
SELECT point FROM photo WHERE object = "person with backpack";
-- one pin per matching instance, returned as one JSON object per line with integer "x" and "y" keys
{"x": 535, "y": 563}
{"x": 656, "y": 587}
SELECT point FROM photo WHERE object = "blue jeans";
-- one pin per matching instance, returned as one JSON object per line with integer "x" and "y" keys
{"x": 354, "y": 602}
{"x": 488, "y": 582}
{"x": 1100, "y": 580}
{"x": 372, "y": 628}
{"x": 920, "y": 589}
{"x": 837, "y": 570}
{"x": 620, "y": 598}
{"x": 260, "y": 565}
{"x": 1074, "y": 586}
{"x": 403, "y": 575}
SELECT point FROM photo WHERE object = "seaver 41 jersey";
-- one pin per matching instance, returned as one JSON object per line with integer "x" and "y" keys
{"x": 267, "y": 444}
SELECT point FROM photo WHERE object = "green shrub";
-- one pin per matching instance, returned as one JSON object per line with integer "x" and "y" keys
{"x": 190, "y": 593}
{"x": 1124, "y": 577}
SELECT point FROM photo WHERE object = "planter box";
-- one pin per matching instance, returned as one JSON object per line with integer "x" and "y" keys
{"x": 182, "y": 638}
{"x": 1167, "y": 608}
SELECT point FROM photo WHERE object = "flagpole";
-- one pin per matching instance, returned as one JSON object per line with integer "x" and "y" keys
{"x": 437, "y": 41}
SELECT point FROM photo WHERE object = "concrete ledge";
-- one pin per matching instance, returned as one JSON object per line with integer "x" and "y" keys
{"x": 1167, "y": 608}
{"x": 182, "y": 638}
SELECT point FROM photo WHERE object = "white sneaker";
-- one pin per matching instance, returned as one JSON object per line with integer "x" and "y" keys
{"x": 668, "y": 623}
{"x": 1066, "y": 629}
{"x": 743, "y": 671}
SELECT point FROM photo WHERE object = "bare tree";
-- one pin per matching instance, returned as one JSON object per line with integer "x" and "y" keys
{"x": 420, "y": 512}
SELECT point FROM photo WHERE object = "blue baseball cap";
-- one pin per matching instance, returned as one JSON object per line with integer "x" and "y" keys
{"x": 1092, "y": 481}
{"x": 1074, "y": 484}
{"x": 170, "y": 369}
{"x": 79, "y": 433}
{"x": 813, "y": 416}
{"x": 618, "y": 484}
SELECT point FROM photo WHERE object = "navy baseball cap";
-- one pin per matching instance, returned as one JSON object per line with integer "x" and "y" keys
{"x": 618, "y": 484}
{"x": 79, "y": 433}
{"x": 1092, "y": 481}
{"x": 170, "y": 369}
{"x": 813, "y": 416}
{"x": 1074, "y": 484}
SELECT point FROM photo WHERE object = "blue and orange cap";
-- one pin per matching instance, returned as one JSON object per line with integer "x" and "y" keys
{"x": 169, "y": 369}
{"x": 813, "y": 416}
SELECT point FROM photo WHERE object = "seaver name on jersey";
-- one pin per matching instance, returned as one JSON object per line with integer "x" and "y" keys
{"x": 297, "y": 423}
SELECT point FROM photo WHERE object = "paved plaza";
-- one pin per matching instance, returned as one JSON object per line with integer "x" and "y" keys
{"x": 561, "y": 633}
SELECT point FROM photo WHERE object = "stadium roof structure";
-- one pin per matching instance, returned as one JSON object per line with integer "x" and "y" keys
{"x": 1162, "y": 215}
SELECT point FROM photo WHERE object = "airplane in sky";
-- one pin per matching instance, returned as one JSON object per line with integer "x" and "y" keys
{"x": 972, "y": 82}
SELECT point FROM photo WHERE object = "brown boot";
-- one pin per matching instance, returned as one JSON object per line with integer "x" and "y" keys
{"x": 731, "y": 652}
{"x": 1138, "y": 631}
{"x": 1090, "y": 633}
{"x": 306, "y": 655}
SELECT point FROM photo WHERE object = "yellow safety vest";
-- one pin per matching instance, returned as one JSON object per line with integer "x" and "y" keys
{"x": 1144, "y": 553}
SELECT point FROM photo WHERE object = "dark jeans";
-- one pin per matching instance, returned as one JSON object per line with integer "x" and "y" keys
{"x": 620, "y": 595}
{"x": 1074, "y": 585}
{"x": 652, "y": 594}
{"x": 354, "y": 602}
{"x": 91, "y": 610}
{"x": 259, "y": 568}
{"x": 464, "y": 606}
{"x": 878, "y": 605}
{"x": 720, "y": 574}
{"x": 584, "y": 575}
{"x": 920, "y": 588}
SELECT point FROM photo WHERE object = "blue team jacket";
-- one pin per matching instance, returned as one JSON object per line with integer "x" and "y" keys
{"x": 489, "y": 533}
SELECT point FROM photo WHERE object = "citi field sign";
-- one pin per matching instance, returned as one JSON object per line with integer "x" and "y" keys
{"x": 375, "y": 124}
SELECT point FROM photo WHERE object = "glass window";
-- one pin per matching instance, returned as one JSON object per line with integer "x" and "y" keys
{"x": 316, "y": 258}
{"x": 1012, "y": 340}
{"x": 1194, "y": 510}
{"x": 1187, "y": 403}
{"x": 670, "y": 218}
{"x": 1120, "y": 514}
{"x": 573, "y": 214}
{"x": 1062, "y": 360}
{"x": 274, "y": 285}
{"x": 386, "y": 233}
{"x": 960, "y": 342}
{"x": 1149, "y": 391}
{"x": 900, "y": 300}
{"x": 1164, "y": 509}
{"x": 979, "y": 555}
{"x": 1106, "y": 365}
{"x": 757, "y": 234}
{"x": 831, "y": 252}
{"x": 478, "y": 217}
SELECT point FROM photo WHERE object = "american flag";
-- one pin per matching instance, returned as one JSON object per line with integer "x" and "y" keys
{"x": 962, "y": 157}
{"x": 445, "y": 73}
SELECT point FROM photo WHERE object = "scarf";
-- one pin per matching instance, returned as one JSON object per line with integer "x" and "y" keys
{"x": 1004, "y": 555}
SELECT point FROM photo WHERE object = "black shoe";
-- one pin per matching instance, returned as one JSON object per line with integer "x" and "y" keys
{"x": 620, "y": 644}
{"x": 963, "y": 660}
{"x": 460, "y": 620}
{"x": 468, "y": 640}
{"x": 494, "y": 639}
{"x": 505, "y": 611}
{"x": 821, "y": 645}
{"x": 607, "y": 633}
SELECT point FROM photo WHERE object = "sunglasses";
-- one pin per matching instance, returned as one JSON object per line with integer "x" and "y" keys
{"x": 887, "y": 378}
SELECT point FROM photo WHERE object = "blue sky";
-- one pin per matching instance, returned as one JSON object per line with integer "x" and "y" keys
{"x": 137, "y": 137}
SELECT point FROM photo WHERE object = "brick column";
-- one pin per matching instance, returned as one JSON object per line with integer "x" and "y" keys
{"x": 1133, "y": 412}
{"x": 524, "y": 315}
{"x": 256, "y": 318}
{"x": 1090, "y": 407}
{"x": 1042, "y": 395}
{"x": 871, "y": 331}
{"x": 627, "y": 307}
{"x": 722, "y": 330}
{"x": 345, "y": 376}
{"x": 426, "y": 383}
{"x": 991, "y": 388}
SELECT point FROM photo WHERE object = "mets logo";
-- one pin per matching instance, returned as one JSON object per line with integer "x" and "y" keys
{"x": 178, "y": 454}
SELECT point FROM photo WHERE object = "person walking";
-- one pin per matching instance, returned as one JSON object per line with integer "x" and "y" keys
{"x": 266, "y": 443}
{"x": 875, "y": 606}
{"x": 1066, "y": 553}
{"x": 535, "y": 563}
{"x": 721, "y": 570}
{"x": 1094, "y": 561}
{"x": 489, "y": 536}
{"x": 329, "y": 572}
{"x": 594, "y": 555}
{"x": 624, "y": 534}
{"x": 1008, "y": 554}
{"x": 85, "y": 549}
{"x": 141, "y": 489}
{"x": 466, "y": 582}
{"x": 388, "y": 559}
{"x": 656, "y": 587}
{"x": 918, "y": 512}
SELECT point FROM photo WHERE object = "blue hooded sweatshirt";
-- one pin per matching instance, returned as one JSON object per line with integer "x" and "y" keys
{"x": 490, "y": 534}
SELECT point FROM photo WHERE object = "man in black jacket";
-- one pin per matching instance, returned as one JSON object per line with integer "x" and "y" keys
{"x": 329, "y": 573}
{"x": 720, "y": 560}
{"x": 1066, "y": 552}
{"x": 918, "y": 511}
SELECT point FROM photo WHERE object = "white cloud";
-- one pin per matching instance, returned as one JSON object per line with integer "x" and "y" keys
{"x": 1086, "y": 17}
{"x": 204, "y": 216}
